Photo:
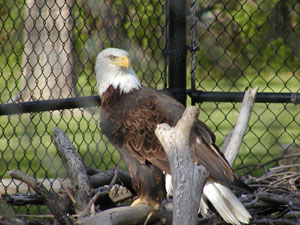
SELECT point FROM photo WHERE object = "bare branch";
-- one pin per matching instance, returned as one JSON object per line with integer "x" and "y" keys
{"x": 48, "y": 197}
{"x": 187, "y": 177}
{"x": 22, "y": 199}
{"x": 233, "y": 142}
{"x": 81, "y": 186}
{"x": 123, "y": 215}
{"x": 67, "y": 190}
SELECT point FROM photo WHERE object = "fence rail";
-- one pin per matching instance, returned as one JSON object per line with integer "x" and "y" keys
{"x": 196, "y": 96}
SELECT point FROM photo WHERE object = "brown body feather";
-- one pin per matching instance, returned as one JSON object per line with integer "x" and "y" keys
{"x": 129, "y": 121}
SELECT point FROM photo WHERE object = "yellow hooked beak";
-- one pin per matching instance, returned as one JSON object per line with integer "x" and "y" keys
{"x": 122, "y": 61}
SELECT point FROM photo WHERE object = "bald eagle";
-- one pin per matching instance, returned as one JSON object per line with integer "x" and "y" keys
{"x": 130, "y": 113}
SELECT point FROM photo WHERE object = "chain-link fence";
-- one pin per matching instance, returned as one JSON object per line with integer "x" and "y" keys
{"x": 246, "y": 44}
{"x": 48, "y": 50}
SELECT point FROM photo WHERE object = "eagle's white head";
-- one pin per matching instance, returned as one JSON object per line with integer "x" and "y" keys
{"x": 113, "y": 67}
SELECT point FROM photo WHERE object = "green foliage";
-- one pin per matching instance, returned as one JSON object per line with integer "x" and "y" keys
{"x": 239, "y": 36}
{"x": 26, "y": 143}
{"x": 11, "y": 24}
{"x": 132, "y": 25}
{"x": 270, "y": 127}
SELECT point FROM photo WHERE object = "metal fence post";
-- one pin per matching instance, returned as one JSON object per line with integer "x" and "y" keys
{"x": 177, "y": 49}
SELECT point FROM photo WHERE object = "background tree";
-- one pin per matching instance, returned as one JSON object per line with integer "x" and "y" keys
{"x": 46, "y": 60}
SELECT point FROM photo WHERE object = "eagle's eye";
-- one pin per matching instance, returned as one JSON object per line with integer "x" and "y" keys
{"x": 112, "y": 57}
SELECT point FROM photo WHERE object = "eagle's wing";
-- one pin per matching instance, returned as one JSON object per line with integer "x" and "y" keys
{"x": 135, "y": 130}
{"x": 155, "y": 108}
{"x": 208, "y": 155}
{"x": 140, "y": 127}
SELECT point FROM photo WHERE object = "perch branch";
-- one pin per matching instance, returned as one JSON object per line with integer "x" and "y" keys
{"x": 233, "y": 142}
{"x": 97, "y": 179}
{"x": 81, "y": 186}
{"x": 187, "y": 177}
{"x": 4, "y": 220}
{"x": 123, "y": 215}
{"x": 48, "y": 197}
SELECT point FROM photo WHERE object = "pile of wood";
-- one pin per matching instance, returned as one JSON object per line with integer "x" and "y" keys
{"x": 276, "y": 200}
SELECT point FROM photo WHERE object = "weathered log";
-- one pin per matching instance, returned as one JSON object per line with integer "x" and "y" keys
{"x": 81, "y": 186}
{"x": 234, "y": 140}
{"x": 18, "y": 193}
{"x": 187, "y": 177}
{"x": 123, "y": 215}
{"x": 4, "y": 220}
{"x": 23, "y": 199}
{"x": 19, "y": 187}
{"x": 275, "y": 199}
{"x": 273, "y": 222}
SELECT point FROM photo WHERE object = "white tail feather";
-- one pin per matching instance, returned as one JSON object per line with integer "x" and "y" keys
{"x": 211, "y": 192}
{"x": 169, "y": 186}
{"x": 222, "y": 198}
{"x": 203, "y": 208}
{"x": 237, "y": 207}
{"x": 226, "y": 203}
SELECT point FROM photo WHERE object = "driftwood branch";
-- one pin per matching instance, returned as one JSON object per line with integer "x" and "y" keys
{"x": 123, "y": 215}
{"x": 15, "y": 192}
{"x": 233, "y": 142}
{"x": 48, "y": 197}
{"x": 81, "y": 186}
{"x": 97, "y": 179}
{"x": 187, "y": 177}
{"x": 22, "y": 199}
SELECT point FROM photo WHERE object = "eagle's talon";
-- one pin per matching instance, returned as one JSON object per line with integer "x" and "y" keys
{"x": 141, "y": 201}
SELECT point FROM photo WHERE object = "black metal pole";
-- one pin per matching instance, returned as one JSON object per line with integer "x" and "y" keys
{"x": 91, "y": 101}
{"x": 177, "y": 48}
{"x": 262, "y": 97}
{"x": 48, "y": 105}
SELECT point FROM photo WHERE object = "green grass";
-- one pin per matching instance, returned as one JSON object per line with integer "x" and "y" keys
{"x": 270, "y": 127}
{"x": 26, "y": 142}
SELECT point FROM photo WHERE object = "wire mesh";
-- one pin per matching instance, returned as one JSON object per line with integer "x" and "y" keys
{"x": 244, "y": 44}
{"x": 48, "y": 50}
